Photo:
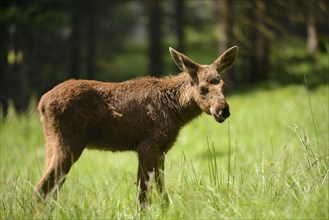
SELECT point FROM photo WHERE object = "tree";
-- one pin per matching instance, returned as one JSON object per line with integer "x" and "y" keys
{"x": 91, "y": 10}
{"x": 258, "y": 56}
{"x": 225, "y": 36}
{"x": 312, "y": 36}
{"x": 155, "y": 37}
{"x": 180, "y": 24}
{"x": 224, "y": 24}
{"x": 75, "y": 40}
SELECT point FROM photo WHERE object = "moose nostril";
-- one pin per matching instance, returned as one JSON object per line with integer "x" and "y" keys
{"x": 225, "y": 112}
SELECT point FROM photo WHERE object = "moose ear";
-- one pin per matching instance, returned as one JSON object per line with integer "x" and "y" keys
{"x": 184, "y": 63}
{"x": 226, "y": 60}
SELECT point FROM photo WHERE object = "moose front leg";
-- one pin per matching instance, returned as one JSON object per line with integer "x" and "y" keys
{"x": 160, "y": 179}
{"x": 151, "y": 167}
{"x": 159, "y": 174}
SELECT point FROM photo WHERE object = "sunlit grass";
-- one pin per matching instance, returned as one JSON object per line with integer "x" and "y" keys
{"x": 268, "y": 160}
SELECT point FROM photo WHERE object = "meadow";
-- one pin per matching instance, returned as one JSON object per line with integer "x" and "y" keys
{"x": 269, "y": 160}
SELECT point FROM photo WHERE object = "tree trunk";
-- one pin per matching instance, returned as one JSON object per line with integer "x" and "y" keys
{"x": 155, "y": 36}
{"x": 224, "y": 24}
{"x": 75, "y": 44}
{"x": 91, "y": 41}
{"x": 180, "y": 23}
{"x": 258, "y": 69}
{"x": 312, "y": 36}
{"x": 225, "y": 33}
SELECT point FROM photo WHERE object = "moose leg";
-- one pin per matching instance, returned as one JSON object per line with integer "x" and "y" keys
{"x": 149, "y": 161}
{"x": 160, "y": 179}
{"x": 159, "y": 173}
{"x": 58, "y": 165}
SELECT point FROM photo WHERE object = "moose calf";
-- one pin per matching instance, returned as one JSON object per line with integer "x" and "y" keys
{"x": 142, "y": 115}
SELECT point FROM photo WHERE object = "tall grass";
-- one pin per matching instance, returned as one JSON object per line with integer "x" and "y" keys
{"x": 269, "y": 160}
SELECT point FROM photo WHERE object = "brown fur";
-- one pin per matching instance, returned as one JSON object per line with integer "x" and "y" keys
{"x": 142, "y": 115}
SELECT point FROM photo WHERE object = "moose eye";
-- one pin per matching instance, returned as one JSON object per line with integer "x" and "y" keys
{"x": 214, "y": 81}
{"x": 203, "y": 91}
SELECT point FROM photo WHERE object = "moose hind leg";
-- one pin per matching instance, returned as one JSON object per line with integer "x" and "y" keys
{"x": 57, "y": 167}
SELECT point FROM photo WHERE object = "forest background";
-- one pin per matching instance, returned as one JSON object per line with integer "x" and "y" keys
{"x": 44, "y": 42}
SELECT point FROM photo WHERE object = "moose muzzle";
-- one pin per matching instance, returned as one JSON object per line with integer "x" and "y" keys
{"x": 222, "y": 113}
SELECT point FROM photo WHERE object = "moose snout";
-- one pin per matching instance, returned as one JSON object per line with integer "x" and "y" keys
{"x": 222, "y": 113}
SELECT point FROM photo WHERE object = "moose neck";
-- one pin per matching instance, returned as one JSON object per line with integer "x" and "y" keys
{"x": 180, "y": 98}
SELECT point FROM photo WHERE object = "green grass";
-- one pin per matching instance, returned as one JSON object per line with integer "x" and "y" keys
{"x": 269, "y": 160}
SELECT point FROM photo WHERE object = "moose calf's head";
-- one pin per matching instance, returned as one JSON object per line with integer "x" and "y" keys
{"x": 207, "y": 82}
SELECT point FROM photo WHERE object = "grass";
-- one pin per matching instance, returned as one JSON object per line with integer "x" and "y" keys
{"x": 269, "y": 160}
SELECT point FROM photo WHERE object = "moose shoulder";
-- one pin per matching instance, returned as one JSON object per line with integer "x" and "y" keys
{"x": 142, "y": 115}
